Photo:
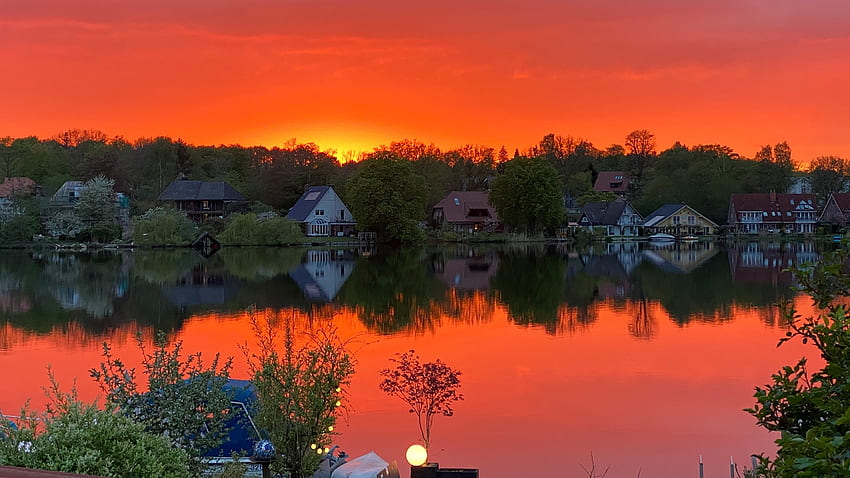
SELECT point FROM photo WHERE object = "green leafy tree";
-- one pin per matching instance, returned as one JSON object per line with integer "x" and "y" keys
{"x": 529, "y": 195}
{"x": 299, "y": 380}
{"x": 387, "y": 197}
{"x": 429, "y": 389}
{"x": 164, "y": 227}
{"x": 828, "y": 174}
{"x": 263, "y": 229}
{"x": 75, "y": 437}
{"x": 183, "y": 399}
{"x": 811, "y": 410}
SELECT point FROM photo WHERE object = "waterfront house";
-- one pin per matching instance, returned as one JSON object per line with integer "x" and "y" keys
{"x": 678, "y": 220}
{"x": 465, "y": 211}
{"x": 201, "y": 200}
{"x": 613, "y": 218}
{"x": 836, "y": 212}
{"x": 68, "y": 194}
{"x": 321, "y": 212}
{"x": 756, "y": 213}
{"x": 616, "y": 182}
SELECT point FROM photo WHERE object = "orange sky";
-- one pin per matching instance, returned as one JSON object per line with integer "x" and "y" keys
{"x": 355, "y": 74}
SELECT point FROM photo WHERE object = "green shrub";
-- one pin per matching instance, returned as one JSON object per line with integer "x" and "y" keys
{"x": 79, "y": 438}
{"x": 251, "y": 230}
{"x": 164, "y": 227}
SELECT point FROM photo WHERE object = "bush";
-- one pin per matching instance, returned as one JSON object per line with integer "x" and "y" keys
{"x": 164, "y": 227}
{"x": 812, "y": 410}
{"x": 79, "y": 438}
{"x": 184, "y": 400}
{"x": 250, "y": 230}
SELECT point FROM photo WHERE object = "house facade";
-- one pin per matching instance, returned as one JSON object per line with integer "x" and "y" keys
{"x": 202, "y": 200}
{"x": 465, "y": 211}
{"x": 616, "y": 218}
{"x": 836, "y": 212}
{"x": 321, "y": 212}
{"x": 678, "y": 220}
{"x": 616, "y": 182}
{"x": 757, "y": 213}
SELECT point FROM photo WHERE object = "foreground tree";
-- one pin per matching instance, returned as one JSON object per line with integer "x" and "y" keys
{"x": 529, "y": 195}
{"x": 429, "y": 389}
{"x": 387, "y": 197}
{"x": 97, "y": 208}
{"x": 299, "y": 386}
{"x": 828, "y": 174}
{"x": 183, "y": 399}
{"x": 810, "y": 409}
{"x": 164, "y": 227}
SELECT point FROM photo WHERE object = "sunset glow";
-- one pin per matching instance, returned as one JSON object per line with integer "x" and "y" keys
{"x": 354, "y": 75}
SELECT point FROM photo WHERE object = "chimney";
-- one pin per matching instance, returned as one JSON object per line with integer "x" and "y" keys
{"x": 773, "y": 196}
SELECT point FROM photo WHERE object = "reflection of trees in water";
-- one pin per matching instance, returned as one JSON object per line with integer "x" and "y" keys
{"x": 88, "y": 282}
{"x": 164, "y": 266}
{"x": 532, "y": 286}
{"x": 474, "y": 308}
{"x": 394, "y": 291}
{"x": 261, "y": 263}
{"x": 572, "y": 320}
{"x": 642, "y": 324}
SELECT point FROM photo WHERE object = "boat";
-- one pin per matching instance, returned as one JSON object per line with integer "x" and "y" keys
{"x": 661, "y": 237}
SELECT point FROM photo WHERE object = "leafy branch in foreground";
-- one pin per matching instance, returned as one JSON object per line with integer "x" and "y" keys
{"x": 183, "y": 399}
{"x": 299, "y": 380}
{"x": 811, "y": 410}
{"x": 428, "y": 389}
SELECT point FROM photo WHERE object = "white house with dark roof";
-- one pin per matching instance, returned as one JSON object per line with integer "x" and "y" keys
{"x": 322, "y": 213}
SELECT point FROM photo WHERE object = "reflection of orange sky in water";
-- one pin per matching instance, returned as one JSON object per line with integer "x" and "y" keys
{"x": 533, "y": 401}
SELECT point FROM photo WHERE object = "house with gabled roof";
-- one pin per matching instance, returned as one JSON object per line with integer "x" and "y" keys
{"x": 678, "y": 220}
{"x": 321, "y": 212}
{"x": 616, "y": 218}
{"x": 836, "y": 212}
{"x": 201, "y": 200}
{"x": 465, "y": 211}
{"x": 616, "y": 182}
{"x": 756, "y": 213}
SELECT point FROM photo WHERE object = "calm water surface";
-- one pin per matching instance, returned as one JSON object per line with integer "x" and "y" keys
{"x": 642, "y": 356}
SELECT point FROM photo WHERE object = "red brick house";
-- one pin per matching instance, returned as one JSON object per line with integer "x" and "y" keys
{"x": 770, "y": 212}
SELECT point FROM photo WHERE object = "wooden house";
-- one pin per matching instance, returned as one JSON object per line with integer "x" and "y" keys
{"x": 201, "y": 200}
{"x": 465, "y": 211}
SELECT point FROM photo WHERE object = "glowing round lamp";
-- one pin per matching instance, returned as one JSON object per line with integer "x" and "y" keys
{"x": 416, "y": 455}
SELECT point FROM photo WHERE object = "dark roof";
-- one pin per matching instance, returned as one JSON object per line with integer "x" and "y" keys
{"x": 611, "y": 181}
{"x": 661, "y": 213}
{"x": 307, "y": 202}
{"x": 184, "y": 190}
{"x": 456, "y": 206}
{"x": 604, "y": 213}
{"x": 842, "y": 200}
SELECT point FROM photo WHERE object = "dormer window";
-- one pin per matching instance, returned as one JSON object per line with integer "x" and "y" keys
{"x": 457, "y": 202}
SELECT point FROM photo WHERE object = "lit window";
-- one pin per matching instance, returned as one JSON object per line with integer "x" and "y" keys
{"x": 457, "y": 202}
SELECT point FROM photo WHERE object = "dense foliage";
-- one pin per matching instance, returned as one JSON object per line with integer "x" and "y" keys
{"x": 811, "y": 409}
{"x": 299, "y": 381}
{"x": 164, "y": 227}
{"x": 182, "y": 398}
{"x": 80, "y": 438}
{"x": 528, "y": 195}
{"x": 387, "y": 197}
{"x": 263, "y": 230}
{"x": 429, "y": 389}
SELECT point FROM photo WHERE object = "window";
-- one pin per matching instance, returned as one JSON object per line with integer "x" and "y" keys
{"x": 675, "y": 219}
{"x": 342, "y": 214}
{"x": 692, "y": 220}
{"x": 312, "y": 196}
{"x": 320, "y": 212}
{"x": 457, "y": 202}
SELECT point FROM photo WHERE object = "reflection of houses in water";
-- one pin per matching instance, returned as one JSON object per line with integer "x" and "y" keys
{"x": 80, "y": 283}
{"x": 323, "y": 273}
{"x": 680, "y": 257}
{"x": 470, "y": 273}
{"x": 615, "y": 264}
{"x": 205, "y": 284}
{"x": 767, "y": 262}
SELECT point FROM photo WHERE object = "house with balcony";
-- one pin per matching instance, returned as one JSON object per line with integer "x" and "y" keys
{"x": 757, "y": 213}
{"x": 678, "y": 220}
{"x": 202, "y": 200}
{"x": 321, "y": 212}
{"x": 611, "y": 218}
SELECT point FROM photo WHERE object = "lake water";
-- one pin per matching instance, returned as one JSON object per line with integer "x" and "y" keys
{"x": 640, "y": 356}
